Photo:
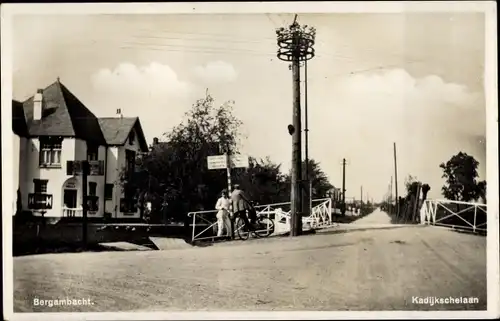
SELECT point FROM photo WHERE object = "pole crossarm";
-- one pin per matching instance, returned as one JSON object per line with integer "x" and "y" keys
{"x": 296, "y": 42}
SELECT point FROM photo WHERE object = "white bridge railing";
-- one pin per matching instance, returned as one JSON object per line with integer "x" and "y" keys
{"x": 454, "y": 214}
{"x": 204, "y": 223}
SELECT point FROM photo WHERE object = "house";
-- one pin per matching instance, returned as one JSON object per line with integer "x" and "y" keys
{"x": 53, "y": 127}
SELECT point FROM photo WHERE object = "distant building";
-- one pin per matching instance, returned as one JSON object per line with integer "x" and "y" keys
{"x": 53, "y": 127}
{"x": 335, "y": 193}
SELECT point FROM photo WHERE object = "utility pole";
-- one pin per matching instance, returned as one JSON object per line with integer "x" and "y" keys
{"x": 85, "y": 172}
{"x": 296, "y": 44}
{"x": 306, "y": 132}
{"x": 361, "y": 194}
{"x": 396, "y": 180}
{"x": 343, "y": 186}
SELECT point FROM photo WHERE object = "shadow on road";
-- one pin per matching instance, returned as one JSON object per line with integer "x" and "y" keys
{"x": 465, "y": 231}
{"x": 361, "y": 229}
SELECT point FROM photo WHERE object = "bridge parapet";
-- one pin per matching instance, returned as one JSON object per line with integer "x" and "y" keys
{"x": 204, "y": 223}
{"x": 454, "y": 214}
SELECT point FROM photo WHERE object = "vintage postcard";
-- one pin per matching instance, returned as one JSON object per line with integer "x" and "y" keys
{"x": 302, "y": 160}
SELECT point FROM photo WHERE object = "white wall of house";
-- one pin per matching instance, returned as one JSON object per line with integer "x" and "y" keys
{"x": 16, "y": 151}
{"x": 112, "y": 177}
{"x": 58, "y": 180}
{"x": 24, "y": 144}
{"x": 99, "y": 180}
{"x": 56, "y": 176}
{"x": 26, "y": 160}
{"x": 121, "y": 163}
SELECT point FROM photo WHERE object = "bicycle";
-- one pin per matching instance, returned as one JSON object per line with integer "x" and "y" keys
{"x": 265, "y": 227}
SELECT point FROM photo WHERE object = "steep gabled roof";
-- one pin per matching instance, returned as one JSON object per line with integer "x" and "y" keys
{"x": 19, "y": 126}
{"x": 63, "y": 115}
{"x": 116, "y": 130}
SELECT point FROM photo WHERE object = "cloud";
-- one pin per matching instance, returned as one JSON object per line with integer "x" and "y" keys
{"x": 428, "y": 118}
{"x": 404, "y": 105}
{"x": 153, "y": 92}
{"x": 216, "y": 72}
{"x": 154, "y": 80}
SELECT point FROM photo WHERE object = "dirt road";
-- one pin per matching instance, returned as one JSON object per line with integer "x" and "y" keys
{"x": 365, "y": 270}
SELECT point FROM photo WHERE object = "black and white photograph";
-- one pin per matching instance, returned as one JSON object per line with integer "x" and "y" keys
{"x": 250, "y": 160}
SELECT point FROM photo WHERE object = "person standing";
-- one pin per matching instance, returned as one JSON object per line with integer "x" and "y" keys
{"x": 223, "y": 220}
{"x": 242, "y": 206}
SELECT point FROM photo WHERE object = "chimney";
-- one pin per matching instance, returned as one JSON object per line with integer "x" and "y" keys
{"x": 119, "y": 112}
{"x": 38, "y": 105}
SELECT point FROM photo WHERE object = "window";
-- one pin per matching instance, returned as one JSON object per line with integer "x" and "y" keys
{"x": 92, "y": 152}
{"x": 130, "y": 159}
{"x": 50, "y": 151}
{"x": 40, "y": 186}
{"x": 131, "y": 137}
{"x": 108, "y": 191}
{"x": 93, "y": 200}
{"x": 92, "y": 189}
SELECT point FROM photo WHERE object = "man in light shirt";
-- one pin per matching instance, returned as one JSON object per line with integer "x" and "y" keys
{"x": 223, "y": 220}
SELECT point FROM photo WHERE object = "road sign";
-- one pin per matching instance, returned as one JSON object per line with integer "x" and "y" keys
{"x": 217, "y": 162}
{"x": 239, "y": 161}
{"x": 37, "y": 201}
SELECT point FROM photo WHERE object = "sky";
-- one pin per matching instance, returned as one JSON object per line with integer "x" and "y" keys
{"x": 413, "y": 79}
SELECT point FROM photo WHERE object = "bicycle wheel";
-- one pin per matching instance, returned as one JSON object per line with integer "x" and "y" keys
{"x": 265, "y": 227}
{"x": 239, "y": 227}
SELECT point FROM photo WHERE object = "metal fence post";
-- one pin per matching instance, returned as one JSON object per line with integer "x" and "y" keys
{"x": 475, "y": 213}
{"x": 194, "y": 226}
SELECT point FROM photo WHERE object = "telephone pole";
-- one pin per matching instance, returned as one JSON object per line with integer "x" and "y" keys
{"x": 85, "y": 173}
{"x": 295, "y": 45}
{"x": 306, "y": 211}
{"x": 361, "y": 195}
{"x": 343, "y": 185}
{"x": 396, "y": 180}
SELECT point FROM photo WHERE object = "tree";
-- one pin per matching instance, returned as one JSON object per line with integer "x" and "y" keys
{"x": 175, "y": 170}
{"x": 263, "y": 181}
{"x": 482, "y": 190}
{"x": 460, "y": 173}
{"x": 319, "y": 180}
{"x": 409, "y": 181}
{"x": 178, "y": 169}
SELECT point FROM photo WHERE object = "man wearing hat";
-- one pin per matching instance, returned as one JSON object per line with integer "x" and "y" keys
{"x": 242, "y": 205}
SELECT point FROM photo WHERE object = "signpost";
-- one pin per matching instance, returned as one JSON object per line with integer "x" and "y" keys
{"x": 228, "y": 161}
{"x": 217, "y": 162}
{"x": 222, "y": 161}
{"x": 84, "y": 168}
{"x": 239, "y": 161}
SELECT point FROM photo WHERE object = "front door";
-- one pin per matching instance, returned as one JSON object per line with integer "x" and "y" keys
{"x": 70, "y": 198}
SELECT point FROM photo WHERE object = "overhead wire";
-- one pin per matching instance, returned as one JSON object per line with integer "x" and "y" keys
{"x": 212, "y": 48}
